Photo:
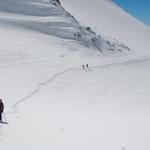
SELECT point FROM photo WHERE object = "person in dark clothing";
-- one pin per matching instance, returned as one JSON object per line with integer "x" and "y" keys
{"x": 83, "y": 66}
{"x": 87, "y": 66}
{"x": 1, "y": 109}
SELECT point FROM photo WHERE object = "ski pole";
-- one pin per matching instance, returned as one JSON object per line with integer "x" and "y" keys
{"x": 4, "y": 117}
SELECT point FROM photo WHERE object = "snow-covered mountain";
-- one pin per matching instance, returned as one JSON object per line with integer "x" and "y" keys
{"x": 51, "y": 101}
{"x": 53, "y": 19}
{"x": 107, "y": 18}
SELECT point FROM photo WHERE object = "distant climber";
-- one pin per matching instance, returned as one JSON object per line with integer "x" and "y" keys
{"x": 1, "y": 109}
{"x": 83, "y": 67}
{"x": 87, "y": 66}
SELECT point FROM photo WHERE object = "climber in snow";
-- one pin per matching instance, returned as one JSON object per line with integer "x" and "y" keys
{"x": 1, "y": 109}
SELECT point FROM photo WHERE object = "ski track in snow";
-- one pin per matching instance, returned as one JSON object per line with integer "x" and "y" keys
{"x": 42, "y": 84}
{"x": 39, "y": 86}
{"x": 131, "y": 60}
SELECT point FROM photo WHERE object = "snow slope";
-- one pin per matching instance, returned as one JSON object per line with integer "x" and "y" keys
{"x": 50, "y": 18}
{"x": 106, "y": 18}
{"x": 50, "y": 101}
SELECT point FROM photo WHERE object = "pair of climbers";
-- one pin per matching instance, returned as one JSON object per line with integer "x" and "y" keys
{"x": 85, "y": 66}
{"x": 1, "y": 109}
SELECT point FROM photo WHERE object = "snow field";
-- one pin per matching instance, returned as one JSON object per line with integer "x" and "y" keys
{"x": 50, "y": 101}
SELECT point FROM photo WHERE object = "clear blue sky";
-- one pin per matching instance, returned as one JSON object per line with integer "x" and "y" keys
{"x": 138, "y": 8}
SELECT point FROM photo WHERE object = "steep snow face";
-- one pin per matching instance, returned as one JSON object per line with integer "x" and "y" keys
{"x": 107, "y": 18}
{"x": 51, "y": 18}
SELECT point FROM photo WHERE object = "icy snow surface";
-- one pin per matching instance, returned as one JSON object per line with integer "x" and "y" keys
{"x": 50, "y": 101}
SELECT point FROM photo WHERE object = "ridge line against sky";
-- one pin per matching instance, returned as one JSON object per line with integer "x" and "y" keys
{"x": 138, "y": 8}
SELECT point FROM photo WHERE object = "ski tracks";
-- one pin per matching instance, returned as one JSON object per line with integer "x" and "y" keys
{"x": 39, "y": 86}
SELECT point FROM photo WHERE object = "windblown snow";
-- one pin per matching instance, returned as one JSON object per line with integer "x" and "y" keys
{"x": 51, "y": 101}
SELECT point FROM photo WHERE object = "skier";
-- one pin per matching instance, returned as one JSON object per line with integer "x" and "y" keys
{"x": 87, "y": 66}
{"x": 1, "y": 109}
{"x": 83, "y": 66}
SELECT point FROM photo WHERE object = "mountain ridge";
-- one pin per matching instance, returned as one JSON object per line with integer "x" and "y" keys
{"x": 54, "y": 20}
{"x": 108, "y": 19}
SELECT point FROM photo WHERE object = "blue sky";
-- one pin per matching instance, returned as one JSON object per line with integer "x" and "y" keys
{"x": 138, "y": 8}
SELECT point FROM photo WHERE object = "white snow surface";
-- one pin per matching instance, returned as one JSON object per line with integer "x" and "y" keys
{"x": 50, "y": 101}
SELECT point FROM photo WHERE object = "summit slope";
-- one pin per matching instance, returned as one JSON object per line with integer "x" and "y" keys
{"x": 106, "y": 18}
{"x": 51, "y": 18}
